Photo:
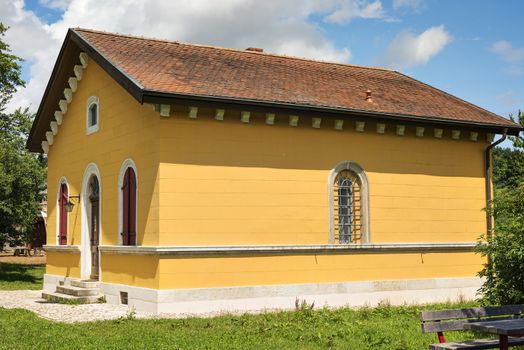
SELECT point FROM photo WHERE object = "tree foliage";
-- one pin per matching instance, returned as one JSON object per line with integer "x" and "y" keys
{"x": 508, "y": 167}
{"x": 518, "y": 141}
{"x": 10, "y": 71}
{"x": 22, "y": 174}
{"x": 504, "y": 271}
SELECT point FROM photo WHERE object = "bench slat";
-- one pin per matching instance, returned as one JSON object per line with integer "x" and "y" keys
{"x": 457, "y": 325}
{"x": 487, "y": 343}
{"x": 473, "y": 312}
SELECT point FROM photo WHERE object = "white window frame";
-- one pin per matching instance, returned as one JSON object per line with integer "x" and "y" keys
{"x": 85, "y": 239}
{"x": 92, "y": 128}
{"x": 359, "y": 172}
{"x": 63, "y": 180}
{"x": 128, "y": 163}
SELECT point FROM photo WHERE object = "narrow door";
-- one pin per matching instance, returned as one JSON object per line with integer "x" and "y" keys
{"x": 62, "y": 233}
{"x": 129, "y": 208}
{"x": 94, "y": 198}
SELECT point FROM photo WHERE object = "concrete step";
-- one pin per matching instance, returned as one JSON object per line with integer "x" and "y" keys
{"x": 77, "y": 291}
{"x": 85, "y": 283}
{"x": 70, "y": 299}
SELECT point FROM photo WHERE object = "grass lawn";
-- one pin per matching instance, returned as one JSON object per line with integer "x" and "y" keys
{"x": 18, "y": 276}
{"x": 384, "y": 327}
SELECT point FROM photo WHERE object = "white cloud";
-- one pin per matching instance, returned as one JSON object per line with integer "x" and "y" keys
{"x": 348, "y": 10}
{"x": 413, "y": 4}
{"x": 507, "y": 51}
{"x": 408, "y": 50}
{"x": 30, "y": 39}
{"x": 507, "y": 99}
{"x": 516, "y": 70}
{"x": 277, "y": 26}
{"x": 55, "y": 4}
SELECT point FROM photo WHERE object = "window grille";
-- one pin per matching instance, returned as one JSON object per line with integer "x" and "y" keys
{"x": 347, "y": 207}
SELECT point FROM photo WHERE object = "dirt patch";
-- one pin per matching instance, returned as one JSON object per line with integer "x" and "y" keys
{"x": 23, "y": 260}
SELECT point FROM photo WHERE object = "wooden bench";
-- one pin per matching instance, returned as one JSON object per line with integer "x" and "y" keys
{"x": 441, "y": 321}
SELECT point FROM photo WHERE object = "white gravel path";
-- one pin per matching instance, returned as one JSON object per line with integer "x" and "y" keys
{"x": 31, "y": 300}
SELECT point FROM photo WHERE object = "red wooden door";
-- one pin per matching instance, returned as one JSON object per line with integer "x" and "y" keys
{"x": 62, "y": 230}
{"x": 129, "y": 208}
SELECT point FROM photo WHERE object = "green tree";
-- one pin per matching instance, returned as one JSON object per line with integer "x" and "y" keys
{"x": 504, "y": 272}
{"x": 22, "y": 174}
{"x": 10, "y": 71}
{"x": 508, "y": 168}
{"x": 518, "y": 141}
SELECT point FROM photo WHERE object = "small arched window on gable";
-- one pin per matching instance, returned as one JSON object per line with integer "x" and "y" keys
{"x": 63, "y": 198}
{"x": 348, "y": 196}
{"x": 129, "y": 205}
{"x": 92, "y": 115}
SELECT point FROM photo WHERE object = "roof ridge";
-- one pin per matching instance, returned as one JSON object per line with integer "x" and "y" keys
{"x": 234, "y": 50}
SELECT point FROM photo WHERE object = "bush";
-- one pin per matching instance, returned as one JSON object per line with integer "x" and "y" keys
{"x": 504, "y": 270}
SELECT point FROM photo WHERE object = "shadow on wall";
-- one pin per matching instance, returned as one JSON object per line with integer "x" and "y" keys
{"x": 205, "y": 141}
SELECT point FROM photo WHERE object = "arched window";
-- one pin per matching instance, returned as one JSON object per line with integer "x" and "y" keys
{"x": 129, "y": 203}
{"x": 347, "y": 207}
{"x": 63, "y": 198}
{"x": 348, "y": 197}
{"x": 92, "y": 115}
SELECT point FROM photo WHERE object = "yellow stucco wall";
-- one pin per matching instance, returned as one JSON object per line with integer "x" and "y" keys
{"x": 63, "y": 264}
{"x": 127, "y": 130}
{"x": 234, "y": 183}
{"x": 206, "y": 182}
{"x": 259, "y": 270}
{"x": 135, "y": 270}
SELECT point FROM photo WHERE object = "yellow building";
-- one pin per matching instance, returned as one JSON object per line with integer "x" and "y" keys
{"x": 187, "y": 178}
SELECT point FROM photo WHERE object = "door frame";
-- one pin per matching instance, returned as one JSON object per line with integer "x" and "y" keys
{"x": 126, "y": 164}
{"x": 63, "y": 180}
{"x": 85, "y": 241}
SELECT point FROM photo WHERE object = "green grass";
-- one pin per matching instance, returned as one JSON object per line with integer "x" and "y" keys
{"x": 17, "y": 276}
{"x": 384, "y": 327}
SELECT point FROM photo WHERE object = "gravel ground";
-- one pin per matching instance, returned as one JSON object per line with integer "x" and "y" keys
{"x": 31, "y": 300}
{"x": 23, "y": 260}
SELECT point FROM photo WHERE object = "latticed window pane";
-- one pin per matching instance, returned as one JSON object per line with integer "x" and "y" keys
{"x": 347, "y": 207}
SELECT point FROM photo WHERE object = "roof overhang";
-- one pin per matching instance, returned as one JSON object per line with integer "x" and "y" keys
{"x": 74, "y": 44}
{"x": 326, "y": 111}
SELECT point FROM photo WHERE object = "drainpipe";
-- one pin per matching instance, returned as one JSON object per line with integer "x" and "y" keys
{"x": 489, "y": 199}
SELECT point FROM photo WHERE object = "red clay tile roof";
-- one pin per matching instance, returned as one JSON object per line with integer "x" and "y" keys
{"x": 178, "y": 68}
{"x": 158, "y": 71}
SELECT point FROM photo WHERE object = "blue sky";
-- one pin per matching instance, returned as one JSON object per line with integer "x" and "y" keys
{"x": 471, "y": 49}
{"x": 467, "y": 67}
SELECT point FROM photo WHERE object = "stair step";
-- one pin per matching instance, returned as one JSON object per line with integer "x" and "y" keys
{"x": 71, "y": 299}
{"x": 77, "y": 291}
{"x": 85, "y": 283}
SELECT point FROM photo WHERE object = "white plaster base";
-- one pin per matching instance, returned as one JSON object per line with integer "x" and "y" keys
{"x": 212, "y": 301}
{"x": 51, "y": 281}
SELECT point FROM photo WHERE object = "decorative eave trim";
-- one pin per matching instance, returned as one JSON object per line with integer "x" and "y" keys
{"x": 125, "y": 80}
{"x": 62, "y": 248}
{"x": 153, "y": 96}
{"x": 179, "y": 251}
